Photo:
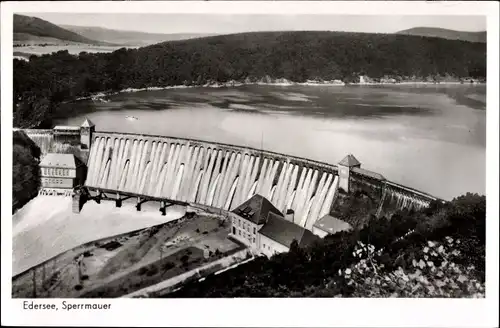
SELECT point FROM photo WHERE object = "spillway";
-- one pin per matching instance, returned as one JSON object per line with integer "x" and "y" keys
{"x": 211, "y": 174}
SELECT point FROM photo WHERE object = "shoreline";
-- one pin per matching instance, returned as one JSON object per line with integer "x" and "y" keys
{"x": 234, "y": 84}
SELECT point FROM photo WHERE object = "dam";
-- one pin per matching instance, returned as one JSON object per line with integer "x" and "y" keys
{"x": 212, "y": 174}
{"x": 220, "y": 175}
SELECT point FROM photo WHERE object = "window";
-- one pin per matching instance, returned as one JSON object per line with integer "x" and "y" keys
{"x": 254, "y": 230}
{"x": 264, "y": 245}
{"x": 254, "y": 240}
{"x": 239, "y": 232}
{"x": 234, "y": 231}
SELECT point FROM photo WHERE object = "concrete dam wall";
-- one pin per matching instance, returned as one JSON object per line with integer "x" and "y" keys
{"x": 223, "y": 175}
{"x": 49, "y": 141}
{"x": 213, "y": 174}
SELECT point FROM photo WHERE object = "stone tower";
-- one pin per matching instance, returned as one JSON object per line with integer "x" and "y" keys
{"x": 86, "y": 131}
{"x": 345, "y": 167}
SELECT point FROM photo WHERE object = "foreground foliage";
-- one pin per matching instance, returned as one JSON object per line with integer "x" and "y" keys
{"x": 25, "y": 170}
{"x": 437, "y": 252}
{"x": 433, "y": 273}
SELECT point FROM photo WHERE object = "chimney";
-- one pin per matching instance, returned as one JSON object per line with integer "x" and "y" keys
{"x": 289, "y": 215}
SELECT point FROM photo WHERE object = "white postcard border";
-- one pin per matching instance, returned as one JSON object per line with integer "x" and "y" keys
{"x": 262, "y": 312}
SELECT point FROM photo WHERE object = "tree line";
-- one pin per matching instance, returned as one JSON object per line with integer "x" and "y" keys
{"x": 46, "y": 81}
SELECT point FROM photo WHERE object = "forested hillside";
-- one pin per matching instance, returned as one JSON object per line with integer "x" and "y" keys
{"x": 437, "y": 252}
{"x": 446, "y": 34}
{"x": 296, "y": 56}
{"x": 25, "y": 26}
{"x": 131, "y": 38}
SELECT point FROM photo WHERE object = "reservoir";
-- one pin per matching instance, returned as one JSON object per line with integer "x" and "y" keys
{"x": 429, "y": 137}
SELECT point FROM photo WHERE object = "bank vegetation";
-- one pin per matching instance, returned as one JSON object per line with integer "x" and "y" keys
{"x": 436, "y": 252}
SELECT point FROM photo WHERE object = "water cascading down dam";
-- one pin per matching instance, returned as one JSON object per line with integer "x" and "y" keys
{"x": 212, "y": 174}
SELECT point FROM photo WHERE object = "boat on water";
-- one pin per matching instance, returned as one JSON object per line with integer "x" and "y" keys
{"x": 131, "y": 118}
{"x": 100, "y": 99}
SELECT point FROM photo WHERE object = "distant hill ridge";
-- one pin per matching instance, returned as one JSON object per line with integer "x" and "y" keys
{"x": 446, "y": 34}
{"x": 26, "y": 28}
{"x": 124, "y": 37}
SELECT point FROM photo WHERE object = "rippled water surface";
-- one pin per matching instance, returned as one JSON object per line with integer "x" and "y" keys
{"x": 432, "y": 138}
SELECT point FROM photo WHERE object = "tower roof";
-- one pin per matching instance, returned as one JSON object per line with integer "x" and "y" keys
{"x": 349, "y": 161}
{"x": 87, "y": 123}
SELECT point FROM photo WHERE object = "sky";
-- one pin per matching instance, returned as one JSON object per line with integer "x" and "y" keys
{"x": 223, "y": 24}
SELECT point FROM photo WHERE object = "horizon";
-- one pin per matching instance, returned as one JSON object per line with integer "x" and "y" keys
{"x": 243, "y": 23}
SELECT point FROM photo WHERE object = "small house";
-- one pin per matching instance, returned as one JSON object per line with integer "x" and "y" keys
{"x": 329, "y": 225}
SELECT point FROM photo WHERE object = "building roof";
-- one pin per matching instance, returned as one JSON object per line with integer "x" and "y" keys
{"x": 349, "y": 161}
{"x": 60, "y": 160}
{"x": 331, "y": 225}
{"x": 66, "y": 127}
{"x": 87, "y": 123}
{"x": 256, "y": 209}
{"x": 284, "y": 232}
{"x": 368, "y": 173}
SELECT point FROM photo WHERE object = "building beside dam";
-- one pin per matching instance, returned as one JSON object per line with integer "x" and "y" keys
{"x": 60, "y": 174}
{"x": 329, "y": 225}
{"x": 258, "y": 224}
{"x": 184, "y": 171}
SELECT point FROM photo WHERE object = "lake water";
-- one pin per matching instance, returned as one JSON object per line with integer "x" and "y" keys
{"x": 432, "y": 138}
